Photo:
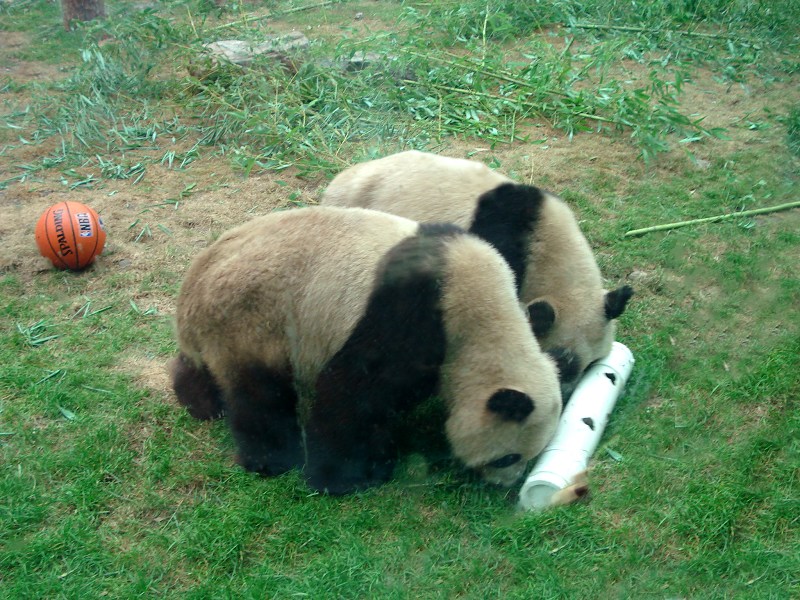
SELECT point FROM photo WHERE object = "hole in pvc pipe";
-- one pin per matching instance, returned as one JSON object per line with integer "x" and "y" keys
{"x": 589, "y": 421}
{"x": 612, "y": 377}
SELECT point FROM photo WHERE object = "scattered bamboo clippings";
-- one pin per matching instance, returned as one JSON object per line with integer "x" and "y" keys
{"x": 100, "y": 310}
{"x": 145, "y": 313}
{"x": 743, "y": 213}
{"x": 85, "y": 310}
{"x": 145, "y": 232}
{"x": 34, "y": 334}
{"x": 468, "y": 64}
{"x": 537, "y": 108}
{"x": 111, "y": 170}
{"x": 186, "y": 158}
{"x": 307, "y": 119}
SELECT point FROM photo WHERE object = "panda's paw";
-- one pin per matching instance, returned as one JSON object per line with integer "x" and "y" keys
{"x": 196, "y": 389}
{"x": 337, "y": 479}
{"x": 269, "y": 464}
{"x": 328, "y": 480}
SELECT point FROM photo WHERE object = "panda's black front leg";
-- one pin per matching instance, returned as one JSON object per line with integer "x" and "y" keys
{"x": 262, "y": 415}
{"x": 386, "y": 367}
{"x": 347, "y": 455}
{"x": 349, "y": 442}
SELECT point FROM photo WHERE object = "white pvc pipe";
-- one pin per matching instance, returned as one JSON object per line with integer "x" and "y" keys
{"x": 579, "y": 430}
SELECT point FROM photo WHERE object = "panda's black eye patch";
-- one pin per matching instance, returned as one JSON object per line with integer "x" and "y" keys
{"x": 506, "y": 461}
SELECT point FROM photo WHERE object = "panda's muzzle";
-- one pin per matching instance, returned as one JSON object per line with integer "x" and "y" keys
{"x": 505, "y": 461}
{"x": 504, "y": 471}
{"x": 568, "y": 363}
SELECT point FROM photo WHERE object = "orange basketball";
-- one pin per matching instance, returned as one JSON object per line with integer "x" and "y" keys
{"x": 70, "y": 234}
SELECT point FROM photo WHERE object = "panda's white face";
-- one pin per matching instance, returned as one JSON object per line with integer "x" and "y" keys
{"x": 579, "y": 348}
{"x": 501, "y": 390}
{"x": 498, "y": 438}
{"x": 575, "y": 339}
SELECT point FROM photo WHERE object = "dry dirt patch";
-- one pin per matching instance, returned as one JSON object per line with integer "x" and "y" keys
{"x": 219, "y": 199}
{"x": 19, "y": 70}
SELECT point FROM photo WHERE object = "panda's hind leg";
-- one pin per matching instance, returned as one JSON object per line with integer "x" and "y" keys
{"x": 195, "y": 388}
{"x": 262, "y": 415}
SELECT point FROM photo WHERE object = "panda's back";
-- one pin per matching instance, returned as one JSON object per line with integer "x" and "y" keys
{"x": 286, "y": 289}
{"x": 337, "y": 280}
{"x": 410, "y": 184}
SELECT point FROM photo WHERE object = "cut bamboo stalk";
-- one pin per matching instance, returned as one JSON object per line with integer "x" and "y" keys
{"x": 743, "y": 213}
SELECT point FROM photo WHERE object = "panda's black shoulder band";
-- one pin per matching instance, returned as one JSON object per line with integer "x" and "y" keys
{"x": 439, "y": 230}
{"x": 507, "y": 217}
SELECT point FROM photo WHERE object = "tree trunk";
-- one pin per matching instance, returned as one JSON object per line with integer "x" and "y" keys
{"x": 82, "y": 10}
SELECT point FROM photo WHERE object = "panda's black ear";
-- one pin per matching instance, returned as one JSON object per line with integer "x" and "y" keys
{"x": 542, "y": 316}
{"x": 510, "y": 405}
{"x": 616, "y": 301}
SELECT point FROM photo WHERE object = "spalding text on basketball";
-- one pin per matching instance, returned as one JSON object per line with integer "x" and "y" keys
{"x": 63, "y": 245}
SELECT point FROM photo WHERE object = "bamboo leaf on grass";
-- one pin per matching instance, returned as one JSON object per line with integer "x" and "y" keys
{"x": 98, "y": 390}
{"x": 60, "y": 373}
{"x": 68, "y": 414}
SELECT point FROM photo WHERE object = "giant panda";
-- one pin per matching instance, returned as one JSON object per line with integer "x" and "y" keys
{"x": 556, "y": 274}
{"x": 319, "y": 329}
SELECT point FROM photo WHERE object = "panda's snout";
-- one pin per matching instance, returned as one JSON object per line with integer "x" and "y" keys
{"x": 504, "y": 471}
{"x": 568, "y": 363}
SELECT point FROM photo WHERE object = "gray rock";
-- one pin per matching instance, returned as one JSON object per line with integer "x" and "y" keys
{"x": 639, "y": 276}
{"x": 242, "y": 53}
{"x": 361, "y": 60}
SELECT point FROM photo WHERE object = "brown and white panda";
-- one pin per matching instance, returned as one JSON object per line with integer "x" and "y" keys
{"x": 557, "y": 276}
{"x": 319, "y": 329}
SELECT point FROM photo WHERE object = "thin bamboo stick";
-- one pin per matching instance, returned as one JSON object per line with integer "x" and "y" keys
{"x": 715, "y": 36}
{"x": 743, "y": 213}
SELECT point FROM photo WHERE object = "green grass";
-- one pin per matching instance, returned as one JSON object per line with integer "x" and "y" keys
{"x": 110, "y": 490}
{"x": 793, "y": 130}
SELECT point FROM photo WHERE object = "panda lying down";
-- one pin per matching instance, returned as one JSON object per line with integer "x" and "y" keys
{"x": 319, "y": 329}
